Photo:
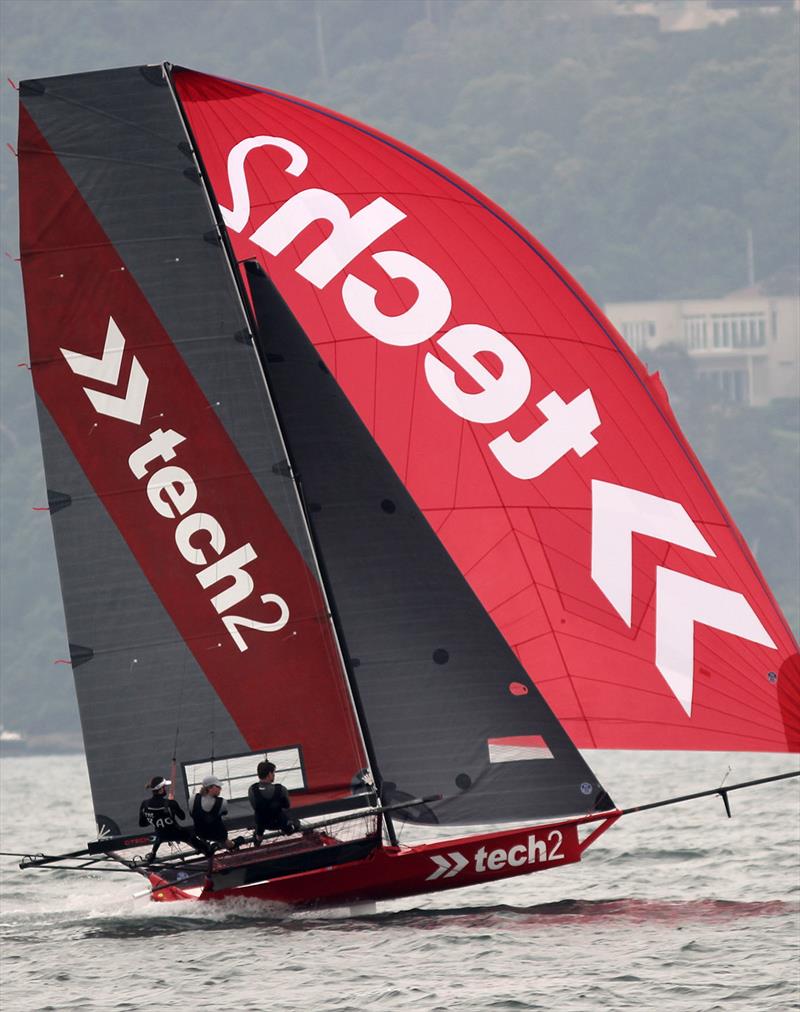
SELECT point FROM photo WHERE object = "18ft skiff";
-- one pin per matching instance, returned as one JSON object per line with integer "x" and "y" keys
{"x": 345, "y": 470}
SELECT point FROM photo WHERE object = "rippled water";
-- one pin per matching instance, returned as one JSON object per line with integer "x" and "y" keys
{"x": 674, "y": 910}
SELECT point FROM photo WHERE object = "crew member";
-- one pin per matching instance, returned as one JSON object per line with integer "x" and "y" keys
{"x": 208, "y": 809}
{"x": 163, "y": 813}
{"x": 270, "y": 803}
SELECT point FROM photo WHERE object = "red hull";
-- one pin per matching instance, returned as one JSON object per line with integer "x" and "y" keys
{"x": 394, "y": 872}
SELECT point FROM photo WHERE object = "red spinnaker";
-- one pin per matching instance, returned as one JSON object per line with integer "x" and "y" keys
{"x": 541, "y": 452}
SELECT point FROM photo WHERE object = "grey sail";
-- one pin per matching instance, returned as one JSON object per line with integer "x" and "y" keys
{"x": 119, "y": 243}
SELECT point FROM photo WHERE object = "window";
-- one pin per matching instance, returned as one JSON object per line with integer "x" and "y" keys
{"x": 695, "y": 332}
{"x": 740, "y": 330}
{"x": 636, "y": 332}
{"x": 239, "y": 771}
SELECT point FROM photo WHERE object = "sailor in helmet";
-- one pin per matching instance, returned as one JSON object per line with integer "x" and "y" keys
{"x": 162, "y": 814}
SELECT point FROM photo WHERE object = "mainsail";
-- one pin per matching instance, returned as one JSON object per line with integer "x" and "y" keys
{"x": 396, "y": 500}
{"x": 177, "y": 538}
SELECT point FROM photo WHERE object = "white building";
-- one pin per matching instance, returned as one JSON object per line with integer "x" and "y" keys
{"x": 747, "y": 343}
{"x": 695, "y": 15}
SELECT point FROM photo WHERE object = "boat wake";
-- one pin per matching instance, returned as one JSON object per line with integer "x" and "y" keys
{"x": 573, "y": 910}
{"x": 112, "y": 920}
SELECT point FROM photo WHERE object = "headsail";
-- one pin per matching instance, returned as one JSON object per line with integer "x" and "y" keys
{"x": 197, "y": 623}
{"x": 448, "y": 705}
{"x": 521, "y": 425}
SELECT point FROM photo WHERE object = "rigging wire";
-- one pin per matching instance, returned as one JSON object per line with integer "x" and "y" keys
{"x": 174, "y": 764}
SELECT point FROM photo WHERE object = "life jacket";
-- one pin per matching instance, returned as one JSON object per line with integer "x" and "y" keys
{"x": 269, "y": 802}
{"x": 207, "y": 822}
{"x": 158, "y": 812}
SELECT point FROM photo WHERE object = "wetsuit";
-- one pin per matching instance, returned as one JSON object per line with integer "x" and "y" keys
{"x": 162, "y": 814}
{"x": 207, "y": 817}
{"x": 270, "y": 803}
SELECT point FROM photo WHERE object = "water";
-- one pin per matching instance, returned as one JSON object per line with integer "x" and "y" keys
{"x": 678, "y": 910}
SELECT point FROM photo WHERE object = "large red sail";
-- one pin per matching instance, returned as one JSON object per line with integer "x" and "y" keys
{"x": 542, "y": 454}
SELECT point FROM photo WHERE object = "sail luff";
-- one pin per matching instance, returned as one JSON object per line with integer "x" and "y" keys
{"x": 373, "y": 773}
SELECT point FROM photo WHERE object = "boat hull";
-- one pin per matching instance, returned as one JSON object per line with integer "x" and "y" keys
{"x": 388, "y": 873}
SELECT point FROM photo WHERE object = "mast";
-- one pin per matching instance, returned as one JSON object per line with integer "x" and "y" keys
{"x": 327, "y": 593}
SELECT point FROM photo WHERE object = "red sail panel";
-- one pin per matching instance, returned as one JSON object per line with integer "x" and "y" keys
{"x": 543, "y": 455}
{"x": 194, "y": 518}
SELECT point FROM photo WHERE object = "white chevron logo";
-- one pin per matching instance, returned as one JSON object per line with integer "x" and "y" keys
{"x": 130, "y": 406}
{"x": 444, "y": 869}
{"x": 617, "y": 514}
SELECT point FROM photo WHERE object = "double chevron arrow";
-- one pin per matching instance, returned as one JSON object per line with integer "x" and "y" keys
{"x": 617, "y": 514}
{"x": 127, "y": 407}
{"x": 447, "y": 868}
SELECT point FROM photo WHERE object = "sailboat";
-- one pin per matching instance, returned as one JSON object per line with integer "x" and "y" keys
{"x": 345, "y": 471}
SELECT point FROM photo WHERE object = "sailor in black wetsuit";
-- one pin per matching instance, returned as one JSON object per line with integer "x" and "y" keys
{"x": 270, "y": 802}
{"x": 207, "y": 811}
{"x": 162, "y": 814}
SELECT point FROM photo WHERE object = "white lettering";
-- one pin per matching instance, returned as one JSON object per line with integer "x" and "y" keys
{"x": 233, "y": 622}
{"x": 160, "y": 445}
{"x": 351, "y": 234}
{"x": 569, "y": 426}
{"x": 497, "y": 860}
{"x": 533, "y": 852}
{"x": 517, "y": 855}
{"x": 229, "y": 566}
{"x": 499, "y": 397}
{"x": 192, "y": 525}
{"x": 418, "y": 323}
{"x": 555, "y": 837}
{"x": 237, "y": 217}
{"x": 537, "y": 851}
{"x": 175, "y": 484}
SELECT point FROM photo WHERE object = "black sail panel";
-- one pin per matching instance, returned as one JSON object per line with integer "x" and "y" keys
{"x": 449, "y": 708}
{"x": 143, "y": 366}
